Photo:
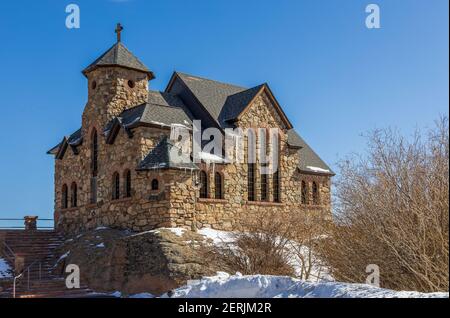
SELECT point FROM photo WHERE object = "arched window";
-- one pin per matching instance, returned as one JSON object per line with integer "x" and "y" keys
{"x": 315, "y": 193}
{"x": 116, "y": 186}
{"x": 155, "y": 184}
{"x": 264, "y": 187}
{"x": 304, "y": 193}
{"x": 218, "y": 186}
{"x": 276, "y": 186}
{"x": 64, "y": 197}
{"x": 93, "y": 190}
{"x": 127, "y": 177}
{"x": 203, "y": 184}
{"x": 251, "y": 165}
{"x": 94, "y": 152}
{"x": 74, "y": 195}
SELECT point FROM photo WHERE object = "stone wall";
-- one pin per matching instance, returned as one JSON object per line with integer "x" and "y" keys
{"x": 226, "y": 213}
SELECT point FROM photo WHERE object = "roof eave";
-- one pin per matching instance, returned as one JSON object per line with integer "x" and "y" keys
{"x": 328, "y": 174}
{"x": 150, "y": 74}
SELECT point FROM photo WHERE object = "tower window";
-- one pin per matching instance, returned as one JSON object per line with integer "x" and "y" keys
{"x": 94, "y": 84}
{"x": 74, "y": 195}
{"x": 94, "y": 190}
{"x": 64, "y": 197}
{"x": 155, "y": 184}
{"x": 116, "y": 186}
{"x": 94, "y": 152}
{"x": 127, "y": 177}
{"x": 131, "y": 84}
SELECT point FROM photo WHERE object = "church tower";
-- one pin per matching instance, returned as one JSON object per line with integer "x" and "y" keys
{"x": 117, "y": 80}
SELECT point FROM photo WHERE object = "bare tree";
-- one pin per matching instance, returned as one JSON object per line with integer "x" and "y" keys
{"x": 392, "y": 211}
{"x": 272, "y": 244}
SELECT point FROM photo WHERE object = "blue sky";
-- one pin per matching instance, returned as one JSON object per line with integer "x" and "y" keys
{"x": 334, "y": 77}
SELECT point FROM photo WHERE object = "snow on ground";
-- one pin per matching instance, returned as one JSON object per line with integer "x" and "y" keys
{"x": 177, "y": 231}
{"x": 5, "y": 270}
{"x": 218, "y": 237}
{"x": 264, "y": 286}
{"x": 318, "y": 271}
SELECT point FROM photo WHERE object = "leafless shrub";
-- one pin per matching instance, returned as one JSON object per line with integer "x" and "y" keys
{"x": 393, "y": 211}
{"x": 271, "y": 244}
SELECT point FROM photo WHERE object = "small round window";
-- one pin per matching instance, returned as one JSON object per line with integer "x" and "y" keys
{"x": 131, "y": 84}
{"x": 94, "y": 85}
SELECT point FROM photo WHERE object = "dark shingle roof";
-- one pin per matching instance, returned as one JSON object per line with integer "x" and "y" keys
{"x": 161, "y": 109}
{"x": 211, "y": 94}
{"x": 73, "y": 140}
{"x": 166, "y": 156}
{"x": 119, "y": 55}
{"x": 236, "y": 103}
{"x": 309, "y": 161}
{"x": 224, "y": 102}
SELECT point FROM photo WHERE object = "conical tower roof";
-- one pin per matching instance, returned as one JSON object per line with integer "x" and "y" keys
{"x": 119, "y": 55}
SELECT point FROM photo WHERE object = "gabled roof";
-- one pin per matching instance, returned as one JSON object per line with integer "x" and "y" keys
{"x": 119, "y": 55}
{"x": 74, "y": 140}
{"x": 236, "y": 103}
{"x": 223, "y": 102}
{"x": 161, "y": 110}
{"x": 309, "y": 161}
{"x": 166, "y": 156}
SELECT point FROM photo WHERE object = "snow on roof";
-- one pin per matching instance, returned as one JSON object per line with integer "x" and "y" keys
{"x": 317, "y": 169}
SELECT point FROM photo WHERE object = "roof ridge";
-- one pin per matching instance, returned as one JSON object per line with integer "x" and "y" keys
{"x": 248, "y": 89}
{"x": 211, "y": 80}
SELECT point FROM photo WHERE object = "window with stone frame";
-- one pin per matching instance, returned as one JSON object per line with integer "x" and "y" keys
{"x": 93, "y": 198}
{"x": 251, "y": 178}
{"x": 315, "y": 193}
{"x": 276, "y": 186}
{"x": 74, "y": 195}
{"x": 127, "y": 185}
{"x": 218, "y": 186}
{"x": 94, "y": 152}
{"x": 264, "y": 187}
{"x": 155, "y": 184}
{"x": 64, "y": 197}
{"x": 304, "y": 191}
{"x": 203, "y": 184}
{"x": 116, "y": 186}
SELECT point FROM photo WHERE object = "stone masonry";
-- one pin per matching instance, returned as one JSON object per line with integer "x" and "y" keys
{"x": 117, "y": 88}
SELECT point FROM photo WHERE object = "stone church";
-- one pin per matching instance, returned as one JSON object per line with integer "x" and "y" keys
{"x": 117, "y": 170}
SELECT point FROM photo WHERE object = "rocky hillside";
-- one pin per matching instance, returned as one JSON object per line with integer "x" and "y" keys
{"x": 154, "y": 261}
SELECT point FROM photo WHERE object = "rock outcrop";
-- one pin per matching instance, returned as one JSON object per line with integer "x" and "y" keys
{"x": 155, "y": 261}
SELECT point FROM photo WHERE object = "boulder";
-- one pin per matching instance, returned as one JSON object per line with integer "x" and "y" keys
{"x": 154, "y": 261}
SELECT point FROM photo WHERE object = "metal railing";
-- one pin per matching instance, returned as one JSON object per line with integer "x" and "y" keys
{"x": 8, "y": 253}
{"x": 17, "y": 224}
{"x": 27, "y": 270}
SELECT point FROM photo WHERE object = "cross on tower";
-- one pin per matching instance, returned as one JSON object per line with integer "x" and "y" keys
{"x": 118, "y": 30}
